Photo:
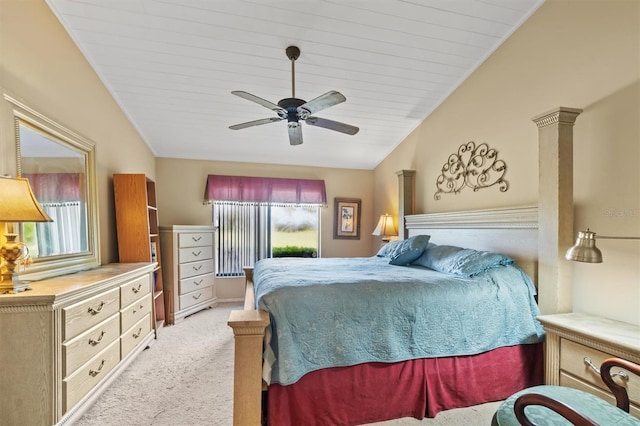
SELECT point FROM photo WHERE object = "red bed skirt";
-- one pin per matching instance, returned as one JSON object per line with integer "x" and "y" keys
{"x": 374, "y": 392}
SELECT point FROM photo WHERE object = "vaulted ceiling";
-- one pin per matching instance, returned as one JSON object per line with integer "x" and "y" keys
{"x": 171, "y": 65}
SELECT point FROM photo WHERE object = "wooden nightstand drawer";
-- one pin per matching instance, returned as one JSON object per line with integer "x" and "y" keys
{"x": 85, "y": 346}
{"x": 192, "y": 254}
{"x": 90, "y": 374}
{"x": 195, "y": 239}
{"x": 82, "y": 316}
{"x": 572, "y": 357}
{"x": 134, "y": 312}
{"x": 572, "y": 382}
{"x": 134, "y": 290}
{"x": 195, "y": 297}
{"x": 195, "y": 283}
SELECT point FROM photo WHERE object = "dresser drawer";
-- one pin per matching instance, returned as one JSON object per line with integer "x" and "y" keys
{"x": 85, "y": 346}
{"x": 82, "y": 316}
{"x": 195, "y": 239}
{"x": 195, "y": 297}
{"x": 194, "y": 283}
{"x": 192, "y": 254}
{"x": 572, "y": 357}
{"x": 572, "y": 382}
{"x": 192, "y": 269}
{"x": 134, "y": 289}
{"x": 135, "y": 335}
{"x": 134, "y": 312}
{"x": 90, "y": 374}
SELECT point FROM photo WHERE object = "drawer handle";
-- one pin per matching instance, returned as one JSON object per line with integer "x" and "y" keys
{"x": 97, "y": 310}
{"x": 196, "y": 239}
{"x": 198, "y": 296}
{"x": 139, "y": 307}
{"x": 136, "y": 335}
{"x": 94, "y": 342}
{"x": 94, "y": 373}
{"x": 196, "y": 254}
{"x": 136, "y": 290}
{"x": 621, "y": 374}
{"x": 197, "y": 268}
{"x": 198, "y": 282}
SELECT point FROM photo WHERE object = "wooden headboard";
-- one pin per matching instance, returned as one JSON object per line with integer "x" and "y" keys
{"x": 511, "y": 231}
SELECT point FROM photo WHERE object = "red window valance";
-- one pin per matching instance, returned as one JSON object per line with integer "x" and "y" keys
{"x": 265, "y": 190}
{"x": 56, "y": 187}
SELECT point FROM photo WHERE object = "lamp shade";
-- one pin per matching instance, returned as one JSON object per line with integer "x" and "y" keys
{"x": 17, "y": 202}
{"x": 585, "y": 249}
{"x": 385, "y": 227}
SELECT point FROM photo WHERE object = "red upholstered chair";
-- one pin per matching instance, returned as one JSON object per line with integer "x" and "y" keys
{"x": 567, "y": 406}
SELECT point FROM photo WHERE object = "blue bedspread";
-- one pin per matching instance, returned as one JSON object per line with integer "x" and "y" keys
{"x": 344, "y": 311}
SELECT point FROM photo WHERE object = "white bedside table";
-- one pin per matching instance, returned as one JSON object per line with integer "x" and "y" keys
{"x": 574, "y": 339}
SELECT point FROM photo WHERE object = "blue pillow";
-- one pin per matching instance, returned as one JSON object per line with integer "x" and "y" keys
{"x": 461, "y": 261}
{"x": 406, "y": 251}
{"x": 388, "y": 248}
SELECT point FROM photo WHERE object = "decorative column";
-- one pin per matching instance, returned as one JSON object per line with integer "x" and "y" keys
{"x": 555, "y": 208}
{"x": 406, "y": 199}
{"x": 248, "y": 329}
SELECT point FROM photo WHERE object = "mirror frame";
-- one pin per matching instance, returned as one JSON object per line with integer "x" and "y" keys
{"x": 50, "y": 266}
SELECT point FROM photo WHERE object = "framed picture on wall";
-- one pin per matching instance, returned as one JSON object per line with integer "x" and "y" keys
{"x": 346, "y": 218}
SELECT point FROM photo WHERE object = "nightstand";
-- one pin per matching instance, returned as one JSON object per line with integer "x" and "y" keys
{"x": 575, "y": 340}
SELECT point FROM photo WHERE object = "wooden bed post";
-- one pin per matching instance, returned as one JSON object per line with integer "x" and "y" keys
{"x": 248, "y": 329}
{"x": 406, "y": 199}
{"x": 555, "y": 208}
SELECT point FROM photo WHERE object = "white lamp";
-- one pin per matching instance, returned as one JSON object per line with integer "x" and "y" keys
{"x": 385, "y": 228}
{"x": 17, "y": 204}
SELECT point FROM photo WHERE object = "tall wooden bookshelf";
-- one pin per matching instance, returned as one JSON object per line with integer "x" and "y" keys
{"x": 138, "y": 232}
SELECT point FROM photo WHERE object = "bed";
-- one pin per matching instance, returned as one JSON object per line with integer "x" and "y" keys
{"x": 320, "y": 369}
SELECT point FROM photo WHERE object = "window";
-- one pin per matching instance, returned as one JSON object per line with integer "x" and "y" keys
{"x": 294, "y": 231}
{"x": 248, "y": 232}
{"x": 57, "y": 237}
{"x": 259, "y": 217}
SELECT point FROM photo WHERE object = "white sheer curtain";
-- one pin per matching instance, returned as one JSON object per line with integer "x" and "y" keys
{"x": 64, "y": 234}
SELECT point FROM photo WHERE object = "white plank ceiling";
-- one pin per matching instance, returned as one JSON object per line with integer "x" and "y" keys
{"x": 171, "y": 66}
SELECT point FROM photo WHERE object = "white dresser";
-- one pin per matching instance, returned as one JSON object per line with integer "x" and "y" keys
{"x": 575, "y": 340}
{"x": 65, "y": 341}
{"x": 189, "y": 272}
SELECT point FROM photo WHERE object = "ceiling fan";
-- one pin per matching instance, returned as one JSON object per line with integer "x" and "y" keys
{"x": 295, "y": 110}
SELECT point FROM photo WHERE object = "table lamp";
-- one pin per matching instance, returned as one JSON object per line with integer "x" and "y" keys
{"x": 17, "y": 204}
{"x": 385, "y": 228}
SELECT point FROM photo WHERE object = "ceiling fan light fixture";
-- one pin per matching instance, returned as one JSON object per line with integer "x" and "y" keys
{"x": 293, "y": 109}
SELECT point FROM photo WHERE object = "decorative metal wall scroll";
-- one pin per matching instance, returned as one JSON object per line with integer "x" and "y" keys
{"x": 474, "y": 167}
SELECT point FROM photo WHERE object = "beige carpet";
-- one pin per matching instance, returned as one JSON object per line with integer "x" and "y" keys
{"x": 186, "y": 379}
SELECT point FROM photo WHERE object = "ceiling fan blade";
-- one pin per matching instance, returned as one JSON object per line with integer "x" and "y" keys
{"x": 332, "y": 125}
{"x": 321, "y": 102}
{"x": 259, "y": 101}
{"x": 255, "y": 123}
{"x": 295, "y": 133}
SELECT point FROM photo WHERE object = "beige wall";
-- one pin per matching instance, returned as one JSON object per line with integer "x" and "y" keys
{"x": 580, "y": 54}
{"x": 43, "y": 68}
{"x": 180, "y": 189}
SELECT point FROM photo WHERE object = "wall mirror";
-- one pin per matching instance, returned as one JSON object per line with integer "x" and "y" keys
{"x": 60, "y": 167}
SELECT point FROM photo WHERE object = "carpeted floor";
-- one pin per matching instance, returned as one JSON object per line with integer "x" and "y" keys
{"x": 186, "y": 378}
